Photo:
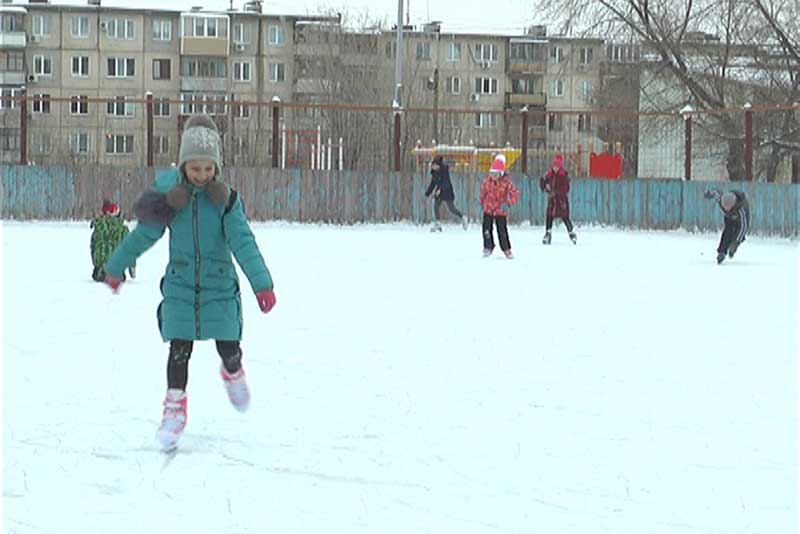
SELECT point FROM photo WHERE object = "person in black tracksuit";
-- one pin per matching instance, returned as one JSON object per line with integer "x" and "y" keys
{"x": 737, "y": 220}
{"x": 442, "y": 190}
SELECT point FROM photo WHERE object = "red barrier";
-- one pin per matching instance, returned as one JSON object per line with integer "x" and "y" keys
{"x": 607, "y": 166}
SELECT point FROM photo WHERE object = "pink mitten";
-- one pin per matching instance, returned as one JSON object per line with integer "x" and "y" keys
{"x": 113, "y": 283}
{"x": 266, "y": 300}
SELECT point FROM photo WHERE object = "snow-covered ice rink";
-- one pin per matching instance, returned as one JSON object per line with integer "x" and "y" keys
{"x": 405, "y": 384}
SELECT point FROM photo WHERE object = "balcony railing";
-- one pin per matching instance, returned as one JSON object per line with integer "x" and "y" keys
{"x": 13, "y": 40}
{"x": 520, "y": 99}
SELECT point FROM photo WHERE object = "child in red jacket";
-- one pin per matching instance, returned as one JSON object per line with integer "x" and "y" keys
{"x": 556, "y": 184}
{"x": 498, "y": 194}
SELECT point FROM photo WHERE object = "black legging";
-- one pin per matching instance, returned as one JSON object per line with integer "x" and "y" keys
{"x": 501, "y": 221}
{"x": 438, "y": 204}
{"x": 180, "y": 350}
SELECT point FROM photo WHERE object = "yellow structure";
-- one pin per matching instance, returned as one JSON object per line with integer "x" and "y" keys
{"x": 466, "y": 158}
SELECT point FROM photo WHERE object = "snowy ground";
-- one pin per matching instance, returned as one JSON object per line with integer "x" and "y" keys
{"x": 404, "y": 384}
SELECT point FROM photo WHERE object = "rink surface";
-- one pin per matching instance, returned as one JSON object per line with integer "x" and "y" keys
{"x": 405, "y": 384}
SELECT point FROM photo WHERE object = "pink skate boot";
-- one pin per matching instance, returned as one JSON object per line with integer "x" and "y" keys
{"x": 236, "y": 387}
{"x": 173, "y": 420}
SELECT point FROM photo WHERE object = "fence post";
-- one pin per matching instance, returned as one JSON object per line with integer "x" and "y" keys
{"x": 23, "y": 127}
{"x": 687, "y": 158}
{"x": 149, "y": 108}
{"x": 397, "y": 112}
{"x": 748, "y": 142}
{"x": 524, "y": 155}
{"x": 276, "y": 111}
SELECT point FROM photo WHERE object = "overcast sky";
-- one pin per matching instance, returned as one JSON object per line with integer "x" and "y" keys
{"x": 467, "y": 16}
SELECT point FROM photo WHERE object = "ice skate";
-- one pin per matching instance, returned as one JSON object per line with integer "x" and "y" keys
{"x": 547, "y": 237}
{"x": 573, "y": 237}
{"x": 173, "y": 420}
{"x": 236, "y": 387}
{"x": 487, "y": 252}
{"x": 509, "y": 254}
{"x": 720, "y": 258}
{"x": 132, "y": 272}
{"x": 436, "y": 227}
{"x": 464, "y": 222}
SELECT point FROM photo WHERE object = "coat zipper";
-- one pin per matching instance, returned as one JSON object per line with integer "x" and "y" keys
{"x": 195, "y": 231}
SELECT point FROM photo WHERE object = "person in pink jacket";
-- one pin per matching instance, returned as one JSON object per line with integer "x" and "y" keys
{"x": 498, "y": 194}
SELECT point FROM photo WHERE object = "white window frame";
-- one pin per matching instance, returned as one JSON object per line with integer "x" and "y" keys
{"x": 77, "y": 102}
{"x": 160, "y": 61}
{"x": 7, "y": 91}
{"x": 274, "y": 70}
{"x": 124, "y": 29}
{"x": 80, "y": 62}
{"x": 586, "y": 55}
{"x": 124, "y": 141}
{"x": 276, "y": 35}
{"x": 557, "y": 54}
{"x": 121, "y": 64}
{"x": 453, "y": 85}
{"x": 40, "y": 103}
{"x": 243, "y": 31}
{"x": 80, "y": 23}
{"x": 587, "y": 90}
{"x": 241, "y": 111}
{"x": 79, "y": 142}
{"x": 40, "y": 142}
{"x": 40, "y": 63}
{"x": 162, "y": 30}
{"x": 486, "y": 52}
{"x": 423, "y": 50}
{"x": 485, "y": 120}
{"x": 240, "y": 68}
{"x": 453, "y": 51}
{"x": 161, "y": 107}
{"x": 120, "y": 107}
{"x": 486, "y": 86}
{"x": 40, "y": 26}
{"x": 584, "y": 122}
{"x": 161, "y": 144}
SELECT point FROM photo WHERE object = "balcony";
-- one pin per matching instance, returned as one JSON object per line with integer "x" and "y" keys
{"x": 11, "y": 77}
{"x": 522, "y": 66}
{"x": 13, "y": 40}
{"x": 518, "y": 99}
{"x": 204, "y": 84}
{"x": 204, "y": 34}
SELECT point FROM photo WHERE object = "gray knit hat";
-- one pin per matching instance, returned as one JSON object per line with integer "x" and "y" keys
{"x": 728, "y": 200}
{"x": 200, "y": 140}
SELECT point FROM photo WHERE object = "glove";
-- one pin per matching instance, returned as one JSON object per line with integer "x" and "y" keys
{"x": 113, "y": 283}
{"x": 266, "y": 300}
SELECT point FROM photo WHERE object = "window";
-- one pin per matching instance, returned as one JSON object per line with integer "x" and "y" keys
{"x": 556, "y": 54}
{"x": 557, "y": 88}
{"x": 120, "y": 108}
{"x": 241, "y": 111}
{"x": 555, "y": 122}
{"x": 162, "y": 30}
{"x": 79, "y": 105}
{"x": 486, "y": 86}
{"x": 9, "y": 23}
{"x": 9, "y": 139}
{"x": 587, "y": 90}
{"x": 41, "y": 25}
{"x": 205, "y": 27}
{"x": 80, "y": 27}
{"x": 241, "y": 145}
{"x": 161, "y": 107}
{"x": 119, "y": 144}
{"x": 80, "y": 66}
{"x": 43, "y": 65}
{"x": 277, "y": 36}
{"x": 40, "y": 103}
{"x": 241, "y": 33}
{"x": 161, "y": 144}
{"x": 8, "y": 92}
{"x": 120, "y": 29}
{"x": 204, "y": 68}
{"x": 121, "y": 67}
{"x": 585, "y": 55}
{"x": 486, "y": 52}
{"x": 277, "y": 72}
{"x": 485, "y": 120}
{"x": 241, "y": 72}
{"x": 210, "y": 103}
{"x": 526, "y": 86}
{"x": 161, "y": 69}
{"x": 40, "y": 142}
{"x": 453, "y": 85}
{"x": 517, "y": 51}
{"x": 424, "y": 50}
{"x": 454, "y": 52}
{"x": 584, "y": 122}
{"x": 79, "y": 143}
{"x": 12, "y": 61}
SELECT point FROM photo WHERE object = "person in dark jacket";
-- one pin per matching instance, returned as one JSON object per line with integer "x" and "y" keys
{"x": 442, "y": 190}
{"x": 556, "y": 184}
{"x": 736, "y": 212}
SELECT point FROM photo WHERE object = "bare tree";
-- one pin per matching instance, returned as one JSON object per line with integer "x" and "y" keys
{"x": 748, "y": 46}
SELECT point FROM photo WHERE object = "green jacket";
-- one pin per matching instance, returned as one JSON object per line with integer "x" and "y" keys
{"x": 107, "y": 232}
{"x": 200, "y": 287}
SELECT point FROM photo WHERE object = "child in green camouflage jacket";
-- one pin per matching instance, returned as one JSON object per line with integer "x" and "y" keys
{"x": 108, "y": 231}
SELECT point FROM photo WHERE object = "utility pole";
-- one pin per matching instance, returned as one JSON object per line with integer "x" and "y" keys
{"x": 398, "y": 58}
{"x": 436, "y": 104}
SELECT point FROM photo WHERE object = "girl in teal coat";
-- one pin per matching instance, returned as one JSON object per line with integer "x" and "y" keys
{"x": 202, "y": 299}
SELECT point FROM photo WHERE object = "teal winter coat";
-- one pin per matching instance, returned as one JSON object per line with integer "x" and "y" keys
{"x": 200, "y": 287}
